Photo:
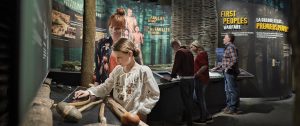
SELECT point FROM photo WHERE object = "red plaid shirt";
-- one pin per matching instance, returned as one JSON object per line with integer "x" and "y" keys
{"x": 230, "y": 57}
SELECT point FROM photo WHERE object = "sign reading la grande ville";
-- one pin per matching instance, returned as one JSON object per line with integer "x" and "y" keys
{"x": 231, "y": 21}
{"x": 271, "y": 24}
{"x": 270, "y": 28}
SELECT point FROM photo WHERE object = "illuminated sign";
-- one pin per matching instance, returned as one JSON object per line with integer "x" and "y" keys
{"x": 231, "y": 21}
{"x": 156, "y": 26}
{"x": 158, "y": 30}
{"x": 154, "y": 19}
{"x": 271, "y": 24}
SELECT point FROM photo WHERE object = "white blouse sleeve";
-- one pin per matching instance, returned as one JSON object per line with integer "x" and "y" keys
{"x": 105, "y": 88}
{"x": 150, "y": 92}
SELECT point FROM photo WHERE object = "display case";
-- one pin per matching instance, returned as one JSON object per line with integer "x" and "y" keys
{"x": 89, "y": 117}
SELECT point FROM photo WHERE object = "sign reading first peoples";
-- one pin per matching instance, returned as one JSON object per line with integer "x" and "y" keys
{"x": 231, "y": 21}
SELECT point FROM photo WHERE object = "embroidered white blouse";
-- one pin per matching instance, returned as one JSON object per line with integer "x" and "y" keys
{"x": 137, "y": 91}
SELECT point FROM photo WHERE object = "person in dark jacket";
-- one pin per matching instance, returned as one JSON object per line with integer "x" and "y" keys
{"x": 183, "y": 67}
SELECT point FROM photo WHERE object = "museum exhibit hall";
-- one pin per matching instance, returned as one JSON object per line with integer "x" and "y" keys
{"x": 150, "y": 63}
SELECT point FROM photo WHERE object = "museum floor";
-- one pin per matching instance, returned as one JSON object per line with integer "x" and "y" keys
{"x": 256, "y": 112}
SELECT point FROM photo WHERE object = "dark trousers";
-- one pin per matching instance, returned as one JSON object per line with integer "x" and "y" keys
{"x": 186, "y": 89}
{"x": 200, "y": 89}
